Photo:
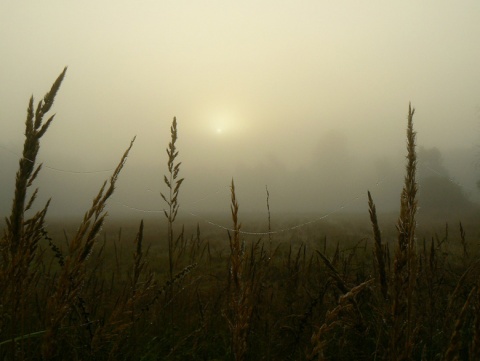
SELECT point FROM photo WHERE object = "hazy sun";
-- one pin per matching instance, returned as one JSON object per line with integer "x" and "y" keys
{"x": 224, "y": 122}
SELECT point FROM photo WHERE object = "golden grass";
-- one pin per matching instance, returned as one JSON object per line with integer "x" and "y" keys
{"x": 71, "y": 294}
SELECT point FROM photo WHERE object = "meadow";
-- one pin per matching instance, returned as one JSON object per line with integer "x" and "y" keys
{"x": 351, "y": 287}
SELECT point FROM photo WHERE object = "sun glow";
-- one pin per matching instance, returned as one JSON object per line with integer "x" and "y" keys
{"x": 223, "y": 121}
{"x": 223, "y": 124}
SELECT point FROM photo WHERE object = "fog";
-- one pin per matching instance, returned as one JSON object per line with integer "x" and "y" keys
{"x": 308, "y": 98}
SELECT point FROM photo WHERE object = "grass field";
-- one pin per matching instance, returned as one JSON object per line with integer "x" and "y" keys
{"x": 348, "y": 287}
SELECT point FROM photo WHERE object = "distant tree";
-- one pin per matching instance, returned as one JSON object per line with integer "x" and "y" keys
{"x": 437, "y": 190}
{"x": 431, "y": 161}
{"x": 441, "y": 193}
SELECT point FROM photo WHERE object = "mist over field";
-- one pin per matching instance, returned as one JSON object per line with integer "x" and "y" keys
{"x": 308, "y": 99}
{"x": 351, "y": 130}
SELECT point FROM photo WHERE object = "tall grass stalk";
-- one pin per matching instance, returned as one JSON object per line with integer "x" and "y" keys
{"x": 240, "y": 289}
{"x": 18, "y": 247}
{"x": 34, "y": 131}
{"x": 173, "y": 185}
{"x": 72, "y": 275}
{"x": 405, "y": 256}
{"x": 378, "y": 250}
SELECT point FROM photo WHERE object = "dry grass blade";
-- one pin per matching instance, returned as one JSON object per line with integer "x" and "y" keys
{"x": 334, "y": 273}
{"x": 405, "y": 255}
{"x": 456, "y": 338}
{"x": 378, "y": 250}
{"x": 25, "y": 174}
{"x": 18, "y": 271}
{"x": 71, "y": 278}
{"x": 240, "y": 302}
{"x": 173, "y": 185}
{"x": 338, "y": 317}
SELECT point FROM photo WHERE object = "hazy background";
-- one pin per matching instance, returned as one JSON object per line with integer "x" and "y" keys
{"x": 307, "y": 97}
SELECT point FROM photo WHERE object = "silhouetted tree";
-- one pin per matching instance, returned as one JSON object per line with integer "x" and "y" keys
{"x": 437, "y": 190}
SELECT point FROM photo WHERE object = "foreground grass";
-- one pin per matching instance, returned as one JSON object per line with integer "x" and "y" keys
{"x": 188, "y": 294}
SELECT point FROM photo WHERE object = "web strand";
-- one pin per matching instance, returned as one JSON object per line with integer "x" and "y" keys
{"x": 186, "y": 207}
{"x": 58, "y": 169}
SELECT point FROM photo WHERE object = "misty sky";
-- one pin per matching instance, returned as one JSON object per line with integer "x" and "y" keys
{"x": 309, "y": 97}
